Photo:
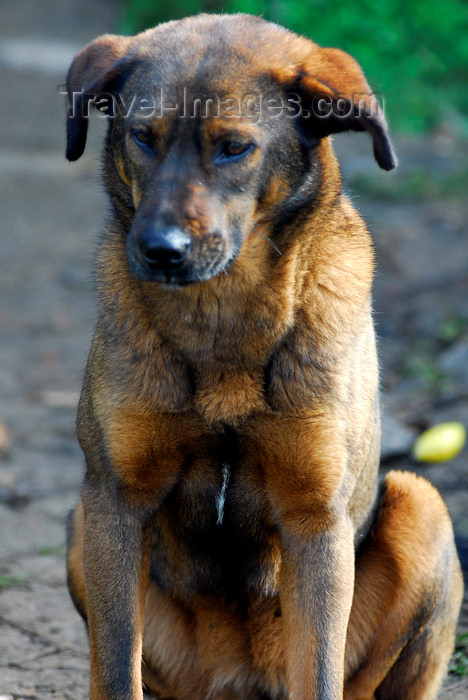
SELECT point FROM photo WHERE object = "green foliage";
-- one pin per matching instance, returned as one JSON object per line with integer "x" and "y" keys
{"x": 417, "y": 183}
{"x": 57, "y": 550}
{"x": 459, "y": 662}
{"x": 414, "y": 53}
{"x": 12, "y": 581}
{"x": 452, "y": 330}
{"x": 420, "y": 362}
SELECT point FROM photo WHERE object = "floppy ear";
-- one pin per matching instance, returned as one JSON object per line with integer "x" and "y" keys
{"x": 91, "y": 71}
{"x": 338, "y": 98}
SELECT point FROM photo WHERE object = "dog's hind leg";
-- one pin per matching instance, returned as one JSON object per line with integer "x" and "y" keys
{"x": 407, "y": 597}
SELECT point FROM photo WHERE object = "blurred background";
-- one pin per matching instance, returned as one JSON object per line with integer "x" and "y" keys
{"x": 415, "y": 54}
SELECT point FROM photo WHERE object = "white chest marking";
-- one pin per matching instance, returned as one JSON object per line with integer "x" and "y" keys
{"x": 222, "y": 494}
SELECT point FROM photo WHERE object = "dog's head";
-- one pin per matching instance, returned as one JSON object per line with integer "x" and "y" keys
{"x": 216, "y": 124}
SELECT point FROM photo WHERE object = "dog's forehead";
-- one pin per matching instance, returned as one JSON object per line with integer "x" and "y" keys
{"x": 211, "y": 52}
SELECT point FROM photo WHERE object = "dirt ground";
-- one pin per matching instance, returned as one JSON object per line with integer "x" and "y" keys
{"x": 51, "y": 214}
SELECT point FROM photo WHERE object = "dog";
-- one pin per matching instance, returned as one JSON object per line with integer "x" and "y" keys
{"x": 232, "y": 541}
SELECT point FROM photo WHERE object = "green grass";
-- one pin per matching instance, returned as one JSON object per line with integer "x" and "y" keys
{"x": 58, "y": 550}
{"x": 11, "y": 581}
{"x": 459, "y": 661}
{"x": 416, "y": 184}
{"x": 420, "y": 361}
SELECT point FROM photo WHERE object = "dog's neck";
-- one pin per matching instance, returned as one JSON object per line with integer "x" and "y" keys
{"x": 212, "y": 319}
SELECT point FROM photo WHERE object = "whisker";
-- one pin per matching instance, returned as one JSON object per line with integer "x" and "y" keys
{"x": 273, "y": 245}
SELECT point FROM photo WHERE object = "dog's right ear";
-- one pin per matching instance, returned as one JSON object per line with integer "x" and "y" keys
{"x": 92, "y": 69}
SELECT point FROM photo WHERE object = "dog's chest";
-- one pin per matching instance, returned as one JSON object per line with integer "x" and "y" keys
{"x": 214, "y": 535}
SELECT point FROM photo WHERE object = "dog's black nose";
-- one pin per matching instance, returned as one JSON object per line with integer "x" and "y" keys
{"x": 164, "y": 250}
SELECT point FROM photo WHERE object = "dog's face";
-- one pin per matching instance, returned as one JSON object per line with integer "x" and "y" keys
{"x": 201, "y": 180}
{"x": 215, "y": 126}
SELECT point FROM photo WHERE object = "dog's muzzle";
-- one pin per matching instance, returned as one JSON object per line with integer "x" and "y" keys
{"x": 172, "y": 256}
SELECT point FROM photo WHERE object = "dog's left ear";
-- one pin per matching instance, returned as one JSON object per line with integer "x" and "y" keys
{"x": 336, "y": 97}
{"x": 91, "y": 72}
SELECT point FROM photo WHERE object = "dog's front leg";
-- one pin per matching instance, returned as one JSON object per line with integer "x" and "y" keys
{"x": 316, "y": 589}
{"x": 304, "y": 465}
{"x": 116, "y": 564}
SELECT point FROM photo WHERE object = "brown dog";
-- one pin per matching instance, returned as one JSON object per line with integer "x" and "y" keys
{"x": 231, "y": 532}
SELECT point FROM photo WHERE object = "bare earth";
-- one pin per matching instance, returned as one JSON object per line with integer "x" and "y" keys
{"x": 51, "y": 214}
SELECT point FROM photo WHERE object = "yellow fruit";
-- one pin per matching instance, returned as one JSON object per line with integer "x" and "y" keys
{"x": 440, "y": 443}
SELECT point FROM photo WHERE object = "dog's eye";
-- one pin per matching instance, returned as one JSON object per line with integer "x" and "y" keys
{"x": 232, "y": 151}
{"x": 144, "y": 139}
{"x": 234, "y": 148}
